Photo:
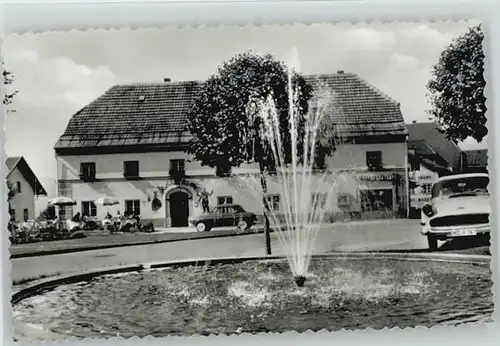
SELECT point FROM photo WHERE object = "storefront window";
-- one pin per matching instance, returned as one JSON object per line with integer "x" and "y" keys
{"x": 376, "y": 200}
{"x": 343, "y": 200}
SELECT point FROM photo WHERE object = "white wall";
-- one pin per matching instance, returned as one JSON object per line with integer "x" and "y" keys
{"x": 354, "y": 155}
{"x": 154, "y": 171}
{"x": 158, "y": 164}
{"x": 24, "y": 199}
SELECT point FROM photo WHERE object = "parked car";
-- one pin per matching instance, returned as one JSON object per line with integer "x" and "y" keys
{"x": 226, "y": 215}
{"x": 459, "y": 207}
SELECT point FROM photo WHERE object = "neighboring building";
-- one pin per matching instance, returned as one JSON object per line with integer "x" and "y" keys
{"x": 129, "y": 143}
{"x": 477, "y": 161}
{"x": 430, "y": 143}
{"x": 26, "y": 187}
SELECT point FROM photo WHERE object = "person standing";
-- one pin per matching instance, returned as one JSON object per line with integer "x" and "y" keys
{"x": 204, "y": 198}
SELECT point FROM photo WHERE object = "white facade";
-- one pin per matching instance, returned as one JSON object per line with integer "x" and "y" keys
{"x": 23, "y": 202}
{"x": 161, "y": 200}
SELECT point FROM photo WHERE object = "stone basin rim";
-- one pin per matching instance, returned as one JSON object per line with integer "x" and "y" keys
{"x": 39, "y": 286}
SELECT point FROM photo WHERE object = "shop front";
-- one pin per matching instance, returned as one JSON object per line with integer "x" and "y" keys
{"x": 382, "y": 194}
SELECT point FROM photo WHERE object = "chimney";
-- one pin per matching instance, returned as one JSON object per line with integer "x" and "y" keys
{"x": 414, "y": 122}
{"x": 340, "y": 72}
{"x": 166, "y": 80}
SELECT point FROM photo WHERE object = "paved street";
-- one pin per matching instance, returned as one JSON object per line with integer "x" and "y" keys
{"x": 358, "y": 236}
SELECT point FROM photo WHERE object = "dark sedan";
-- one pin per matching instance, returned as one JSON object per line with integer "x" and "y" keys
{"x": 226, "y": 215}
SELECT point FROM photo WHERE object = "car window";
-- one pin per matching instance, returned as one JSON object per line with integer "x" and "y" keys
{"x": 460, "y": 187}
{"x": 238, "y": 209}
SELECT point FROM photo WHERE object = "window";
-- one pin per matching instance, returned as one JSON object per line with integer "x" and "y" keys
{"x": 224, "y": 200}
{"x": 25, "y": 214}
{"x": 64, "y": 189}
{"x": 18, "y": 186}
{"x": 177, "y": 170}
{"x": 343, "y": 200}
{"x": 89, "y": 209}
{"x": 475, "y": 185}
{"x": 415, "y": 163}
{"x": 87, "y": 171}
{"x": 374, "y": 160}
{"x": 178, "y": 165}
{"x": 426, "y": 188}
{"x": 131, "y": 169}
{"x": 319, "y": 199}
{"x": 133, "y": 206}
{"x": 376, "y": 200}
{"x": 273, "y": 202}
{"x": 223, "y": 171}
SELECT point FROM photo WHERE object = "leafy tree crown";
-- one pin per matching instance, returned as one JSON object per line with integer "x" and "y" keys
{"x": 226, "y": 132}
{"x": 456, "y": 91}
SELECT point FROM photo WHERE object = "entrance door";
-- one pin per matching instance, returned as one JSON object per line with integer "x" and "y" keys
{"x": 179, "y": 209}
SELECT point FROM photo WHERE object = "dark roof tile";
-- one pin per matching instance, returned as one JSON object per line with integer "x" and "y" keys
{"x": 157, "y": 113}
{"x": 431, "y": 134}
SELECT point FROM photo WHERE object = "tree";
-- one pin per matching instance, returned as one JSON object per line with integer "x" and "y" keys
{"x": 8, "y": 79}
{"x": 456, "y": 91}
{"x": 226, "y": 135}
{"x": 49, "y": 213}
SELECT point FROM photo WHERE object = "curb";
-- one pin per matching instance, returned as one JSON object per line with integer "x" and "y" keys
{"x": 48, "y": 283}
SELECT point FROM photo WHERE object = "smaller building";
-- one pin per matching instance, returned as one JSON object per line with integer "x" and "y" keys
{"x": 477, "y": 161}
{"x": 429, "y": 142}
{"x": 24, "y": 187}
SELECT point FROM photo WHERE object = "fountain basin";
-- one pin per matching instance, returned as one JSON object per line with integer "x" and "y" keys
{"x": 351, "y": 291}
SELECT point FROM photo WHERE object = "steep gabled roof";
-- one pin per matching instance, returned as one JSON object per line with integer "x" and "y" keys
{"x": 424, "y": 150}
{"x": 150, "y": 114}
{"x": 365, "y": 110}
{"x": 477, "y": 158}
{"x": 431, "y": 134}
{"x": 11, "y": 163}
{"x": 20, "y": 163}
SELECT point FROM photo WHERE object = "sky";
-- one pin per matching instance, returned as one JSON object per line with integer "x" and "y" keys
{"x": 59, "y": 73}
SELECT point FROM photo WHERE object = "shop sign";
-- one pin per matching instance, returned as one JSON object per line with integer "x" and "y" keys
{"x": 418, "y": 201}
{"x": 377, "y": 177}
{"x": 425, "y": 177}
{"x": 421, "y": 198}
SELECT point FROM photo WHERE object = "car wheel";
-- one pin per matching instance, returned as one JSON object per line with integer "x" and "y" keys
{"x": 202, "y": 227}
{"x": 433, "y": 243}
{"x": 242, "y": 225}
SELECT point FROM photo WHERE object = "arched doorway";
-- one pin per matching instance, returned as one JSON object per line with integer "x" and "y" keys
{"x": 179, "y": 209}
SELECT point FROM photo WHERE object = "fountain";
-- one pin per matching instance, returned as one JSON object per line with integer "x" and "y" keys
{"x": 298, "y": 180}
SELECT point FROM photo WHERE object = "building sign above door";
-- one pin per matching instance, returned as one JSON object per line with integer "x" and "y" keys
{"x": 377, "y": 177}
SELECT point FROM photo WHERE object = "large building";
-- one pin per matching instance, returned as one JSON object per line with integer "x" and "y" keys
{"x": 130, "y": 143}
{"x": 24, "y": 187}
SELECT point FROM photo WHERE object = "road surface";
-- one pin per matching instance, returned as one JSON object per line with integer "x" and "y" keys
{"x": 357, "y": 236}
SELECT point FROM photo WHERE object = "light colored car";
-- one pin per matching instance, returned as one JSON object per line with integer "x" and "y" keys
{"x": 459, "y": 207}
